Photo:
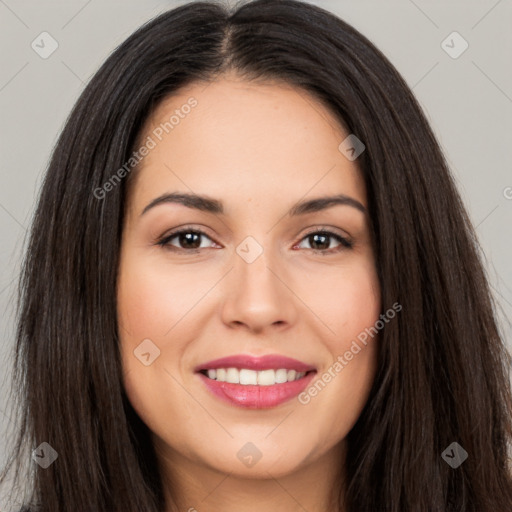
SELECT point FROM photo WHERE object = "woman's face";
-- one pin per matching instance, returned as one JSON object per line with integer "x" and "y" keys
{"x": 265, "y": 277}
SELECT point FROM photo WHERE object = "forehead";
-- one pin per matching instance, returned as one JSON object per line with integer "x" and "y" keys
{"x": 251, "y": 141}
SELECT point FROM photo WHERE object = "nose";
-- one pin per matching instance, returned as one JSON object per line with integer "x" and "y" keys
{"x": 259, "y": 295}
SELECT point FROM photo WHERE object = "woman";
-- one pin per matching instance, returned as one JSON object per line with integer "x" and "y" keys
{"x": 328, "y": 339}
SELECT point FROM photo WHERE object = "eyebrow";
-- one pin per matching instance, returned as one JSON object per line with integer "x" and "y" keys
{"x": 206, "y": 204}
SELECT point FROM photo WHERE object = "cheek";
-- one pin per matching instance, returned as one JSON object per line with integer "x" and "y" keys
{"x": 156, "y": 302}
{"x": 151, "y": 304}
{"x": 356, "y": 341}
{"x": 351, "y": 307}
{"x": 148, "y": 309}
{"x": 152, "y": 300}
{"x": 348, "y": 303}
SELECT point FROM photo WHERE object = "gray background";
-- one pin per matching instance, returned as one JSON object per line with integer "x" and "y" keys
{"x": 468, "y": 101}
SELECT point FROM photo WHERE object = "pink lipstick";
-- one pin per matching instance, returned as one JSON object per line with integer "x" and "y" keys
{"x": 255, "y": 382}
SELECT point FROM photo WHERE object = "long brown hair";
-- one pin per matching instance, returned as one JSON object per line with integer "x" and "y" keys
{"x": 443, "y": 373}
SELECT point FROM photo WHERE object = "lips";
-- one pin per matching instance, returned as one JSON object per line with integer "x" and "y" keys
{"x": 249, "y": 394}
{"x": 267, "y": 362}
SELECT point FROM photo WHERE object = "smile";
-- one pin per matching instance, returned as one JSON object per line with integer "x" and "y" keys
{"x": 255, "y": 382}
{"x": 267, "y": 393}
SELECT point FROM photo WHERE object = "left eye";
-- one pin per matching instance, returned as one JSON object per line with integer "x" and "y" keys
{"x": 323, "y": 238}
{"x": 190, "y": 240}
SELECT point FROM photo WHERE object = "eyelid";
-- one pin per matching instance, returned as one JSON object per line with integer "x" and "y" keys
{"x": 328, "y": 229}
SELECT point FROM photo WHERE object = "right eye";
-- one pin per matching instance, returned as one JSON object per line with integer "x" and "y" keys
{"x": 188, "y": 237}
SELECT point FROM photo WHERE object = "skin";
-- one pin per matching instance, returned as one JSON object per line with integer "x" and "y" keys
{"x": 202, "y": 305}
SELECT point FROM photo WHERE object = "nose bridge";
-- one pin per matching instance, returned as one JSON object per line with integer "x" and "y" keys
{"x": 257, "y": 295}
{"x": 254, "y": 266}
{"x": 251, "y": 250}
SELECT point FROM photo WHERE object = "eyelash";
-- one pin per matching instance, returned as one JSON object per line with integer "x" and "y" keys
{"x": 345, "y": 243}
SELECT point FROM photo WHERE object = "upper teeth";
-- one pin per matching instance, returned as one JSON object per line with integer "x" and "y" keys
{"x": 261, "y": 378}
